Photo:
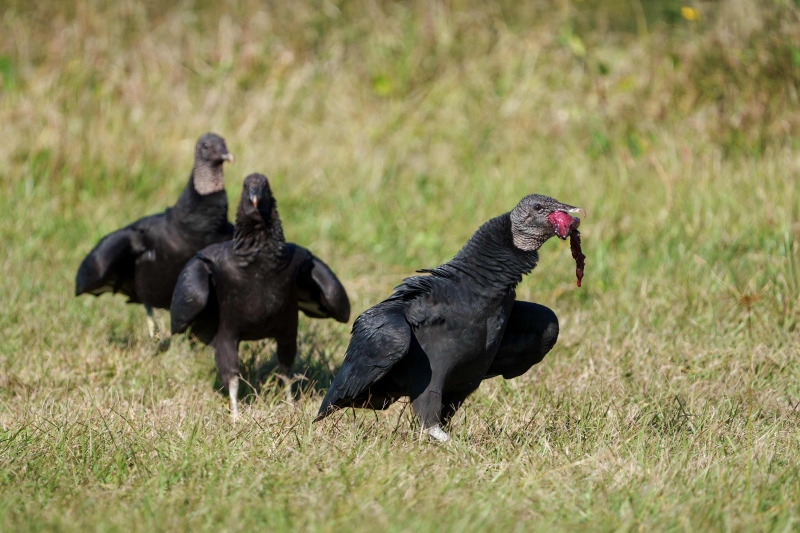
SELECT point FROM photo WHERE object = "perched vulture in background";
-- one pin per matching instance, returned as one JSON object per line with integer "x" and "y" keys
{"x": 252, "y": 287}
{"x": 143, "y": 260}
{"x": 438, "y": 336}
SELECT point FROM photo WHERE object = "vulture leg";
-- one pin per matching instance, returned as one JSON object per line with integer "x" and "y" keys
{"x": 531, "y": 333}
{"x": 226, "y": 355}
{"x": 152, "y": 326}
{"x": 287, "y": 350}
{"x": 233, "y": 392}
{"x": 426, "y": 401}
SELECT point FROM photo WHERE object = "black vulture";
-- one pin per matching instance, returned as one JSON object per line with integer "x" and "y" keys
{"x": 438, "y": 336}
{"x": 252, "y": 287}
{"x": 143, "y": 260}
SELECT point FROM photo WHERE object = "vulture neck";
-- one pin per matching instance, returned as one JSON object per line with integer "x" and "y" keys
{"x": 202, "y": 213}
{"x": 207, "y": 177}
{"x": 490, "y": 258}
{"x": 258, "y": 234}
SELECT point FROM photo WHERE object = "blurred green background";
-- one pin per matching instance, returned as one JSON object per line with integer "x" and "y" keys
{"x": 390, "y": 131}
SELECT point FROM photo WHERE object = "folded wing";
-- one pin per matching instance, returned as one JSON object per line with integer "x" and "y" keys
{"x": 381, "y": 337}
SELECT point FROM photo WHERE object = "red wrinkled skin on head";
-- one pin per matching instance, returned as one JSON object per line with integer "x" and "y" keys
{"x": 577, "y": 255}
{"x": 563, "y": 223}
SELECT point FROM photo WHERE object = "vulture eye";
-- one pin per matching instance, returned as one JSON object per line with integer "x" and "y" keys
{"x": 205, "y": 146}
{"x": 538, "y": 207}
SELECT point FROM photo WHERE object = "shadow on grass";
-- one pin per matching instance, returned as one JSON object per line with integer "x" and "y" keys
{"x": 313, "y": 370}
{"x": 126, "y": 334}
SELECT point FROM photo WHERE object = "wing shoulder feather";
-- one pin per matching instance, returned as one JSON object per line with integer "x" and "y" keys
{"x": 109, "y": 266}
{"x": 320, "y": 294}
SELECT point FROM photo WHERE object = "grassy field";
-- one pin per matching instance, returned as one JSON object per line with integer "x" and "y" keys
{"x": 390, "y": 132}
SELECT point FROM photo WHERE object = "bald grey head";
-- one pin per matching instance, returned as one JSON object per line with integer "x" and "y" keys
{"x": 537, "y": 218}
{"x": 256, "y": 194}
{"x": 210, "y": 153}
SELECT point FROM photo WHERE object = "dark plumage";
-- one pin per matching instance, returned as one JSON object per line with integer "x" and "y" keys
{"x": 143, "y": 260}
{"x": 252, "y": 287}
{"x": 438, "y": 336}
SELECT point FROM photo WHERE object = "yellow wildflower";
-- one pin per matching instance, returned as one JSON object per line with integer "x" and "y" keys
{"x": 688, "y": 13}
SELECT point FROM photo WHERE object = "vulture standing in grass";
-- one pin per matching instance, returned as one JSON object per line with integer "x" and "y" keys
{"x": 438, "y": 336}
{"x": 143, "y": 260}
{"x": 251, "y": 288}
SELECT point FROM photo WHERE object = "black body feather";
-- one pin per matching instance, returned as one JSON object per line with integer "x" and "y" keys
{"x": 438, "y": 336}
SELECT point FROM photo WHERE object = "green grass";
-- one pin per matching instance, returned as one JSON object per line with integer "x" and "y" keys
{"x": 390, "y": 132}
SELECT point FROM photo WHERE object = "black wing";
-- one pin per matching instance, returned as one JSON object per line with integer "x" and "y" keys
{"x": 320, "y": 294}
{"x": 531, "y": 332}
{"x": 191, "y": 295}
{"x": 109, "y": 267}
{"x": 381, "y": 337}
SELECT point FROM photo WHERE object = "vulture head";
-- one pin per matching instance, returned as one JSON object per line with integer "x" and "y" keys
{"x": 537, "y": 218}
{"x": 209, "y": 154}
{"x": 256, "y": 195}
{"x": 211, "y": 149}
{"x": 258, "y": 227}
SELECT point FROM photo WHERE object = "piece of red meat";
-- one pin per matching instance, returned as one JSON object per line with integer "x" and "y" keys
{"x": 563, "y": 223}
{"x": 577, "y": 254}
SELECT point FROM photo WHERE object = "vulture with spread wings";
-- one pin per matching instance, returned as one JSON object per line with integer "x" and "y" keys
{"x": 252, "y": 288}
{"x": 142, "y": 260}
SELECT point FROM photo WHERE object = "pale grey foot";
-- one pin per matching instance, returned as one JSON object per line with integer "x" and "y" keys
{"x": 152, "y": 327}
{"x": 286, "y": 376}
{"x": 437, "y": 433}
{"x": 233, "y": 392}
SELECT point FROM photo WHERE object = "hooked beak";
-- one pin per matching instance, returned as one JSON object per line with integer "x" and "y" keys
{"x": 563, "y": 223}
{"x": 254, "y": 199}
{"x": 571, "y": 209}
{"x": 228, "y": 157}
